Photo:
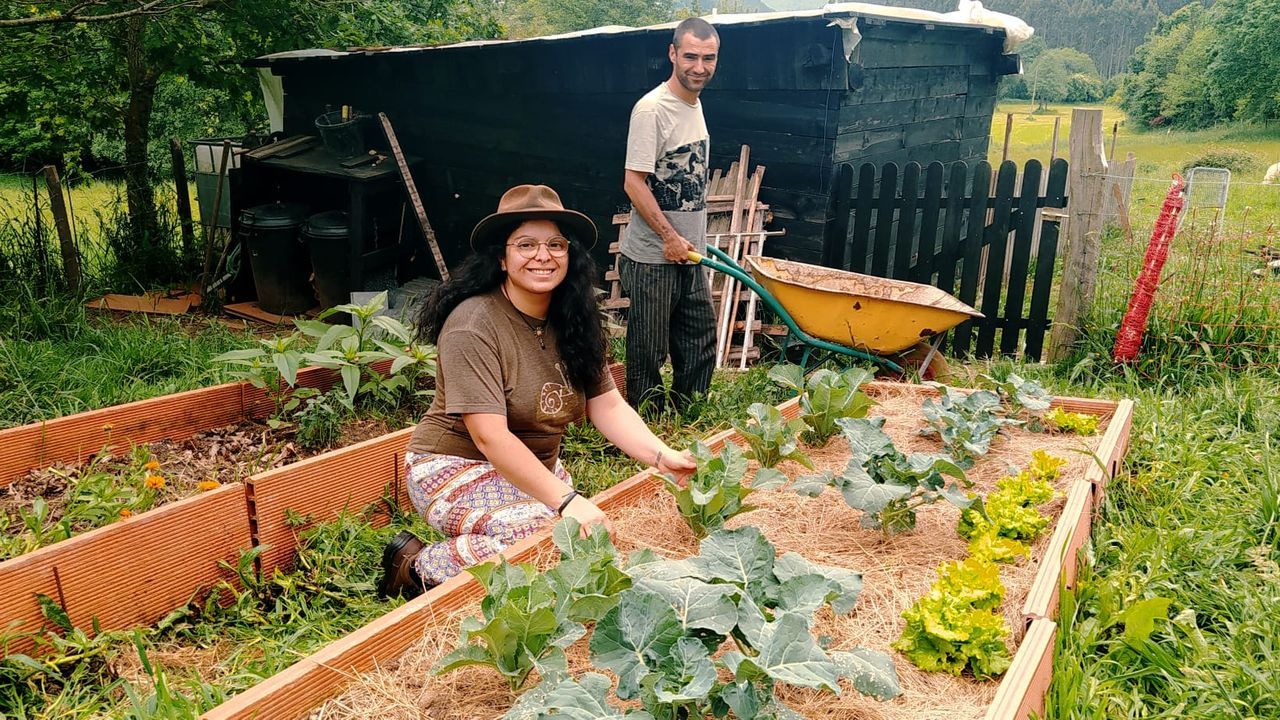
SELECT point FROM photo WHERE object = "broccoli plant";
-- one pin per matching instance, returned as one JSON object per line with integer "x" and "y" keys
{"x": 886, "y": 485}
{"x": 519, "y": 630}
{"x": 660, "y": 638}
{"x": 957, "y": 625}
{"x": 966, "y": 423}
{"x": 825, "y": 397}
{"x": 1023, "y": 399}
{"x": 714, "y": 493}
{"x": 771, "y": 439}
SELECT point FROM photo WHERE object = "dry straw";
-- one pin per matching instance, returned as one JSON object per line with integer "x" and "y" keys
{"x": 896, "y": 570}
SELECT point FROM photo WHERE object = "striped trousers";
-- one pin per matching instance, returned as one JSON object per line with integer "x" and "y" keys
{"x": 670, "y": 314}
{"x": 479, "y": 512}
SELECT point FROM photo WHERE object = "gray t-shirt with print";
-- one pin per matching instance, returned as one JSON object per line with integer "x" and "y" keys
{"x": 668, "y": 139}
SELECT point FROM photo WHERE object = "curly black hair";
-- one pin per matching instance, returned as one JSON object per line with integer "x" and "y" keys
{"x": 574, "y": 315}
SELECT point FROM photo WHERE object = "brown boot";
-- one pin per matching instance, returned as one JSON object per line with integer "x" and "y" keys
{"x": 399, "y": 577}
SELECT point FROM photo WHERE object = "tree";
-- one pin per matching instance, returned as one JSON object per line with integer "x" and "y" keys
{"x": 73, "y": 69}
{"x": 531, "y": 18}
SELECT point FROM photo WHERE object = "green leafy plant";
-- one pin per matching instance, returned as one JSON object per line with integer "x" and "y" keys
{"x": 886, "y": 485}
{"x": 1001, "y": 526}
{"x": 659, "y": 639}
{"x": 1023, "y": 399}
{"x": 966, "y": 423}
{"x": 273, "y": 367}
{"x": 519, "y": 630}
{"x": 319, "y": 422}
{"x": 771, "y": 439}
{"x": 714, "y": 492}
{"x": 825, "y": 397}
{"x": 353, "y": 349}
{"x": 1078, "y": 423}
{"x": 957, "y": 625}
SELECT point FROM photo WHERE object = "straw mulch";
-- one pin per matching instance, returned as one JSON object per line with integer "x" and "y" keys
{"x": 896, "y": 571}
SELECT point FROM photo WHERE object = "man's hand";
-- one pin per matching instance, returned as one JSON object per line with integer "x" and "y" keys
{"x": 676, "y": 249}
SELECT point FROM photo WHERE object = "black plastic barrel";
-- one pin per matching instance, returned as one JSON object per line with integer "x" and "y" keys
{"x": 280, "y": 271}
{"x": 328, "y": 238}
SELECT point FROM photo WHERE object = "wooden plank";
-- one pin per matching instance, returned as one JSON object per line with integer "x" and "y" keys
{"x": 931, "y": 208}
{"x": 131, "y": 572}
{"x": 1058, "y": 566}
{"x": 997, "y": 240}
{"x": 1020, "y": 259}
{"x": 1046, "y": 257}
{"x": 1085, "y": 188}
{"x": 320, "y": 487}
{"x": 949, "y": 253}
{"x": 906, "y": 222}
{"x": 154, "y": 303}
{"x": 856, "y": 259}
{"x": 835, "y": 233}
{"x": 1021, "y": 692}
{"x": 971, "y": 252}
{"x": 412, "y": 189}
{"x": 885, "y": 203}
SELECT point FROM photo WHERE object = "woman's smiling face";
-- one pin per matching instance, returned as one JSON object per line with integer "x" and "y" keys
{"x": 543, "y": 271}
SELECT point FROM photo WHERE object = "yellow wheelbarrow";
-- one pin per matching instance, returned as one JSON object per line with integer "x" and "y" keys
{"x": 846, "y": 313}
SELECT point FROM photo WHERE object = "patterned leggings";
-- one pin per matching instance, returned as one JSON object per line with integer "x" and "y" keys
{"x": 475, "y": 507}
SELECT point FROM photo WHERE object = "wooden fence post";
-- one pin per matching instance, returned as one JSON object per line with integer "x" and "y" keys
{"x": 66, "y": 241}
{"x": 1086, "y": 185}
{"x": 184, "y": 198}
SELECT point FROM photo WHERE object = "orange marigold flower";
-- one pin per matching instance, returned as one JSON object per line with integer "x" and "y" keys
{"x": 205, "y": 485}
{"x": 154, "y": 482}
{"x": 126, "y": 513}
{"x": 151, "y": 465}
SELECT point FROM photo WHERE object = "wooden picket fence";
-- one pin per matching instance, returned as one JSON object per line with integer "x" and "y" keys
{"x": 964, "y": 234}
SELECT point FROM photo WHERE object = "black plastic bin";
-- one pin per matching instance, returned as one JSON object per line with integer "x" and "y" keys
{"x": 280, "y": 271}
{"x": 328, "y": 238}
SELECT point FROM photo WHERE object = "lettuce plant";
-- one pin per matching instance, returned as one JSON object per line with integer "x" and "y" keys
{"x": 886, "y": 485}
{"x": 1000, "y": 526}
{"x": 966, "y": 423}
{"x": 825, "y": 397}
{"x": 714, "y": 493}
{"x": 957, "y": 625}
{"x": 1078, "y": 423}
{"x": 771, "y": 439}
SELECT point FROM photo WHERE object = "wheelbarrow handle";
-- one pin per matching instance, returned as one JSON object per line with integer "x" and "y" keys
{"x": 729, "y": 267}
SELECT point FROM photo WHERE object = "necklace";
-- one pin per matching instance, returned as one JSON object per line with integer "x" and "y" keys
{"x": 535, "y": 329}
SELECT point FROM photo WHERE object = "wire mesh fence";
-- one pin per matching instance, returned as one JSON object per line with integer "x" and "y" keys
{"x": 117, "y": 251}
{"x": 1217, "y": 305}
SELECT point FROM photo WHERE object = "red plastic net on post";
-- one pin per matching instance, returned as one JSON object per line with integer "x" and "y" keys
{"x": 1129, "y": 337}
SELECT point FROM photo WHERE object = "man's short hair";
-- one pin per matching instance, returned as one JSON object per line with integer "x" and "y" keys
{"x": 700, "y": 28}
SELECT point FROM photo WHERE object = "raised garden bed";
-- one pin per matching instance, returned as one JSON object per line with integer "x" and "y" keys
{"x": 897, "y": 570}
{"x": 187, "y": 545}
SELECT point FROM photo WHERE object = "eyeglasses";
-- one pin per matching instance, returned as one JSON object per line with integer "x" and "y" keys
{"x": 557, "y": 247}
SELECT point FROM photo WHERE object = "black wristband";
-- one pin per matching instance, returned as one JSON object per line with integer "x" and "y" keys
{"x": 565, "y": 503}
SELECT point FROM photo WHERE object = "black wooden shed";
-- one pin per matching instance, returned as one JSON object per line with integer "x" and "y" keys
{"x": 805, "y": 90}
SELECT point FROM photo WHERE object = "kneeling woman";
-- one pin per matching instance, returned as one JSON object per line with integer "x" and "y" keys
{"x": 522, "y": 354}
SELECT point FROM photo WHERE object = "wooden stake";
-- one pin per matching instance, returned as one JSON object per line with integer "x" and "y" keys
{"x": 1085, "y": 187}
{"x": 1111, "y": 155}
{"x": 183, "y": 194}
{"x": 735, "y": 225}
{"x": 414, "y": 198}
{"x": 1008, "y": 131}
{"x": 210, "y": 227}
{"x": 66, "y": 241}
{"x": 1053, "y": 148}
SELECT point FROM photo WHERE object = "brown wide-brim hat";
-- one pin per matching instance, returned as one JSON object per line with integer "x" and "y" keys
{"x": 532, "y": 202}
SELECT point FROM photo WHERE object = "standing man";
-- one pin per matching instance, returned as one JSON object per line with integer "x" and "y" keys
{"x": 666, "y": 180}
